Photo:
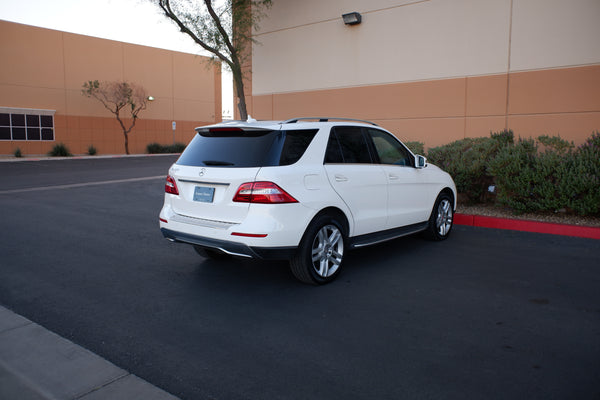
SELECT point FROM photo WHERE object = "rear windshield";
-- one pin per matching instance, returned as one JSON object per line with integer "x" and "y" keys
{"x": 246, "y": 149}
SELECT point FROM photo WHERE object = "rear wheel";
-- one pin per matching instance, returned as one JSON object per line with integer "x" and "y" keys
{"x": 321, "y": 252}
{"x": 441, "y": 219}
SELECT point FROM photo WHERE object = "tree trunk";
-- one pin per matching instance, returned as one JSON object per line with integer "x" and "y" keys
{"x": 238, "y": 81}
{"x": 126, "y": 143}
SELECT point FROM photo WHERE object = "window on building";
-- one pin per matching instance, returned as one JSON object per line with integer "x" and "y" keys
{"x": 26, "y": 124}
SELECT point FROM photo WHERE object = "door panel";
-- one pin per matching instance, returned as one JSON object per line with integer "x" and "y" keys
{"x": 363, "y": 187}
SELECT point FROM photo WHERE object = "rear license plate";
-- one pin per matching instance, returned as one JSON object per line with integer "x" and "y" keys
{"x": 204, "y": 194}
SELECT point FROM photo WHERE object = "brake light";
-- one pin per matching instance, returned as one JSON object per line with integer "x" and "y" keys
{"x": 262, "y": 192}
{"x": 171, "y": 186}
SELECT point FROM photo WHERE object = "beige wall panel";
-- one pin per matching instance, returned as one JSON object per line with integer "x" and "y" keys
{"x": 161, "y": 108}
{"x": 32, "y": 97}
{"x": 189, "y": 110}
{"x": 422, "y": 41}
{"x": 88, "y": 58}
{"x": 285, "y": 14}
{"x": 554, "y": 33}
{"x": 432, "y": 132}
{"x": 149, "y": 67}
{"x": 574, "y": 127}
{"x": 555, "y": 91}
{"x": 193, "y": 77}
{"x": 486, "y": 95}
{"x": 262, "y": 107}
{"x": 30, "y": 56}
{"x": 442, "y": 98}
{"x": 482, "y": 126}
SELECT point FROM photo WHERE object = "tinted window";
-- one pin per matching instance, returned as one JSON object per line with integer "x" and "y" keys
{"x": 33, "y": 133}
{"x": 295, "y": 144}
{"x": 4, "y": 133}
{"x": 347, "y": 144}
{"x": 388, "y": 149}
{"x": 33, "y": 120}
{"x": 241, "y": 149}
{"x": 18, "y": 119}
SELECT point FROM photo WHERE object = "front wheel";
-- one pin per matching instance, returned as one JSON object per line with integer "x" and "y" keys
{"x": 441, "y": 219}
{"x": 321, "y": 252}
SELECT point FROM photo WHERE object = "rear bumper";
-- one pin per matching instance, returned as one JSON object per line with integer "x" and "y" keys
{"x": 231, "y": 248}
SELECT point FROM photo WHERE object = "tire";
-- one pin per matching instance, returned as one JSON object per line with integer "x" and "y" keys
{"x": 321, "y": 252}
{"x": 209, "y": 253}
{"x": 441, "y": 219}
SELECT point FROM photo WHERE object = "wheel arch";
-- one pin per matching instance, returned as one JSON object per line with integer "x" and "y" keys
{"x": 447, "y": 190}
{"x": 336, "y": 213}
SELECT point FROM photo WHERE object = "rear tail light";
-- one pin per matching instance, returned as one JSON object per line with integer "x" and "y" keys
{"x": 262, "y": 192}
{"x": 171, "y": 185}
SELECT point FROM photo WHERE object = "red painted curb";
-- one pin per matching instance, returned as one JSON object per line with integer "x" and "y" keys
{"x": 527, "y": 226}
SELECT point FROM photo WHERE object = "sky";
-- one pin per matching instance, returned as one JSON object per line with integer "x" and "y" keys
{"x": 131, "y": 21}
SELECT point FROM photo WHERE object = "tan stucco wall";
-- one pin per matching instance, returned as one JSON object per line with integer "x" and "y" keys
{"x": 45, "y": 69}
{"x": 434, "y": 70}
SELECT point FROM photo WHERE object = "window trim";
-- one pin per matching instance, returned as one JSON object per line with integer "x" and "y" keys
{"x": 25, "y": 112}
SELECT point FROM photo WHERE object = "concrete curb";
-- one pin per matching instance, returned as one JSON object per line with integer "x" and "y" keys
{"x": 36, "y": 364}
{"x": 82, "y": 157}
{"x": 527, "y": 226}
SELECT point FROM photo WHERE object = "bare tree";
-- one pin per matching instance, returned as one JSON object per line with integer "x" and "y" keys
{"x": 225, "y": 31}
{"x": 123, "y": 99}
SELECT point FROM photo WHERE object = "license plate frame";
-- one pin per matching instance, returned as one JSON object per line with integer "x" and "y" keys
{"x": 204, "y": 194}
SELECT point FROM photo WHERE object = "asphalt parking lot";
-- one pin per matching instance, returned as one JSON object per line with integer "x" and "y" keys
{"x": 487, "y": 314}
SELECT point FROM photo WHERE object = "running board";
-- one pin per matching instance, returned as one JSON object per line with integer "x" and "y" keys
{"x": 383, "y": 236}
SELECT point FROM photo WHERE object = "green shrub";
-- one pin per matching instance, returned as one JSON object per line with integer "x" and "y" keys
{"x": 59, "y": 150}
{"x": 92, "y": 150}
{"x": 530, "y": 180}
{"x": 581, "y": 183}
{"x": 18, "y": 153}
{"x": 156, "y": 148}
{"x": 467, "y": 162}
{"x": 416, "y": 147}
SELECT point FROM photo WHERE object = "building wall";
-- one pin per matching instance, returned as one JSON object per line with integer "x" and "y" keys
{"x": 434, "y": 70}
{"x": 45, "y": 69}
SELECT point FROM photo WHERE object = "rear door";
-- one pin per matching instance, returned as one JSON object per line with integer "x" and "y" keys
{"x": 361, "y": 184}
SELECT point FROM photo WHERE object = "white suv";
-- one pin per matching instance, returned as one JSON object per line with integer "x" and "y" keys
{"x": 305, "y": 190}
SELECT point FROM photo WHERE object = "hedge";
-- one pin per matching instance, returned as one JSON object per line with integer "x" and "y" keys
{"x": 546, "y": 174}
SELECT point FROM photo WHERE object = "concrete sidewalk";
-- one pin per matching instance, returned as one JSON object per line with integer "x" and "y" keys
{"x": 36, "y": 364}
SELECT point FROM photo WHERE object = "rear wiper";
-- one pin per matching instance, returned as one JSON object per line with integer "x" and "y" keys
{"x": 213, "y": 162}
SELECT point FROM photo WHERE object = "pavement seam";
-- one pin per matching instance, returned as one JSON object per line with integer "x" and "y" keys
{"x": 30, "y": 383}
{"x": 12, "y": 328}
{"x": 80, "y": 396}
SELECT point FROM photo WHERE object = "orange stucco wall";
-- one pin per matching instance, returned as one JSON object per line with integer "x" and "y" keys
{"x": 45, "y": 69}
{"x": 563, "y": 102}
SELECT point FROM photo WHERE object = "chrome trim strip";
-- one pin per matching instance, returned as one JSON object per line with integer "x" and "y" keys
{"x": 202, "y": 222}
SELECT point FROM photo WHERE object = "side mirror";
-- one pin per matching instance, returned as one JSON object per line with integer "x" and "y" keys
{"x": 420, "y": 162}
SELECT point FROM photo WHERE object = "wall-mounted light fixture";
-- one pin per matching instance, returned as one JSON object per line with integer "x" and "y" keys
{"x": 150, "y": 98}
{"x": 352, "y": 18}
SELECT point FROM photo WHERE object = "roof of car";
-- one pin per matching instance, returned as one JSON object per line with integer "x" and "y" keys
{"x": 275, "y": 125}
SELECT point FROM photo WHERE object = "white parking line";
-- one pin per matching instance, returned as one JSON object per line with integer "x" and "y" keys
{"x": 77, "y": 185}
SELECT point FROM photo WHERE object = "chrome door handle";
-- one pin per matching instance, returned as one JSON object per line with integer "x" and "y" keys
{"x": 340, "y": 178}
{"x": 393, "y": 177}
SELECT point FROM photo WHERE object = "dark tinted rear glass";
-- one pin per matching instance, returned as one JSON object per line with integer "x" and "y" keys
{"x": 246, "y": 149}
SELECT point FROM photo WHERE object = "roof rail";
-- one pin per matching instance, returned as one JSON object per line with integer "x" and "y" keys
{"x": 327, "y": 119}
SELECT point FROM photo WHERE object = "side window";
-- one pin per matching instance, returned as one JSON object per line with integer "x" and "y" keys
{"x": 347, "y": 144}
{"x": 389, "y": 150}
{"x": 296, "y": 143}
